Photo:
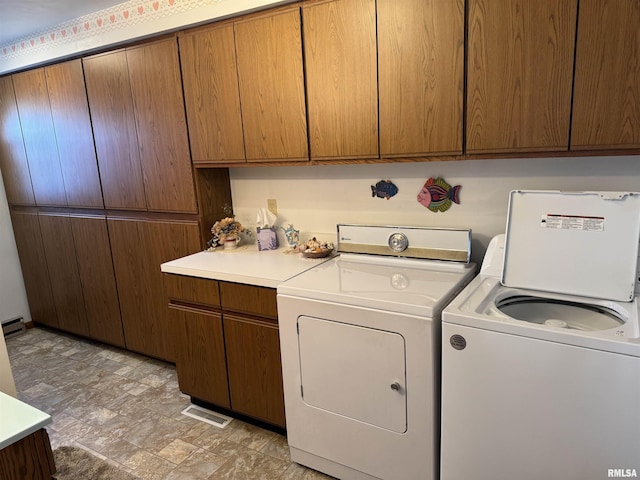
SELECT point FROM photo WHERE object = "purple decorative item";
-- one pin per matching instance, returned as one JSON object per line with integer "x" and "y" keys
{"x": 267, "y": 239}
{"x": 438, "y": 195}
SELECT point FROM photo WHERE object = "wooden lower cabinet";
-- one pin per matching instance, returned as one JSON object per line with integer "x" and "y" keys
{"x": 64, "y": 276}
{"x": 254, "y": 367}
{"x": 138, "y": 248}
{"x": 95, "y": 267}
{"x": 26, "y": 230}
{"x": 200, "y": 354}
{"x": 68, "y": 273}
{"x": 224, "y": 355}
{"x": 30, "y": 457}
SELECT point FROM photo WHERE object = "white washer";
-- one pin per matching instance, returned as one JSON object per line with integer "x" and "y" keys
{"x": 541, "y": 351}
{"x": 360, "y": 342}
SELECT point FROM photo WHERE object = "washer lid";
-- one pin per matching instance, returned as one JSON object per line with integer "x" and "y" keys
{"x": 578, "y": 243}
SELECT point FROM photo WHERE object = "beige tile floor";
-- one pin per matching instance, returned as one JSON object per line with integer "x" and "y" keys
{"x": 126, "y": 408}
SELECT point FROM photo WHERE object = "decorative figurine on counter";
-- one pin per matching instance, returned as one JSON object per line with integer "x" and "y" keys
{"x": 384, "y": 189}
{"x": 292, "y": 235}
{"x": 438, "y": 195}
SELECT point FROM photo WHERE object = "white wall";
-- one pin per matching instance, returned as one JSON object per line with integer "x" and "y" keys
{"x": 315, "y": 199}
{"x": 13, "y": 298}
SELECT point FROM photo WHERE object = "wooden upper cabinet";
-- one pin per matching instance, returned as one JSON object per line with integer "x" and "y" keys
{"x": 114, "y": 128}
{"x": 271, "y": 79}
{"x": 212, "y": 98}
{"x": 519, "y": 75}
{"x": 342, "y": 83}
{"x": 70, "y": 112}
{"x": 39, "y": 137}
{"x": 606, "y": 100}
{"x": 154, "y": 73}
{"x": 421, "y": 76}
{"x": 13, "y": 159}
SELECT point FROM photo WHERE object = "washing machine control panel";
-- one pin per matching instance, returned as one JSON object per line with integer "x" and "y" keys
{"x": 398, "y": 242}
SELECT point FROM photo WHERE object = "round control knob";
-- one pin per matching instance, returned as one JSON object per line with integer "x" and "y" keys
{"x": 398, "y": 242}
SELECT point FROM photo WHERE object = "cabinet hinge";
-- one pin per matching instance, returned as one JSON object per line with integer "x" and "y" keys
{"x": 301, "y": 391}
{"x": 298, "y": 328}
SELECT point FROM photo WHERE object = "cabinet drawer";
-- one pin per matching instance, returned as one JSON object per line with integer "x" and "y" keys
{"x": 182, "y": 289}
{"x": 249, "y": 299}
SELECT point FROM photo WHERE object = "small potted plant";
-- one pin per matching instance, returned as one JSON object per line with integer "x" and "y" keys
{"x": 226, "y": 232}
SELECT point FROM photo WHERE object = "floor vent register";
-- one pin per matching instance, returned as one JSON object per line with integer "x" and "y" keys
{"x": 208, "y": 416}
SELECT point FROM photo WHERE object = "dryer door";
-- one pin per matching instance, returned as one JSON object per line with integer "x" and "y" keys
{"x": 354, "y": 371}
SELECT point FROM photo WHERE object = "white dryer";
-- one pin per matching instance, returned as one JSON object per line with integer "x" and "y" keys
{"x": 541, "y": 351}
{"x": 360, "y": 342}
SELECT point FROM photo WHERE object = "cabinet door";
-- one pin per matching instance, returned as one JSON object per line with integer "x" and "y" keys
{"x": 342, "y": 84}
{"x": 154, "y": 73}
{"x": 606, "y": 99}
{"x": 255, "y": 369}
{"x": 421, "y": 71}
{"x": 211, "y": 95}
{"x": 200, "y": 355}
{"x": 60, "y": 253}
{"x": 272, "y": 87}
{"x": 39, "y": 137}
{"x": 13, "y": 160}
{"x": 114, "y": 128}
{"x": 519, "y": 75}
{"x": 70, "y": 112}
{"x": 26, "y": 230}
{"x": 138, "y": 248}
{"x": 95, "y": 267}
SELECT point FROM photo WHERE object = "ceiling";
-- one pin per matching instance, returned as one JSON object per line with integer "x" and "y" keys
{"x": 25, "y": 17}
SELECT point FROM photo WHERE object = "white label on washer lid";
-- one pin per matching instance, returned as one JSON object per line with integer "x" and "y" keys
{"x": 572, "y": 222}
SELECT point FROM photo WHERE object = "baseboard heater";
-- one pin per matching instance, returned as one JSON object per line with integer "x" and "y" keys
{"x": 15, "y": 326}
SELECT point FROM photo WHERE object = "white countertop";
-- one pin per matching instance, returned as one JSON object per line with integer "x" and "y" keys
{"x": 18, "y": 420}
{"x": 244, "y": 264}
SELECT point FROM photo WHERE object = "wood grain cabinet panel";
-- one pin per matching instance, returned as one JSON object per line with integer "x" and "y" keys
{"x": 270, "y": 74}
{"x": 606, "y": 100}
{"x": 192, "y": 291}
{"x": 200, "y": 354}
{"x": 30, "y": 457}
{"x": 60, "y": 253}
{"x": 237, "y": 297}
{"x": 342, "y": 84}
{"x": 255, "y": 369}
{"x": 421, "y": 76}
{"x": 26, "y": 230}
{"x": 74, "y": 137}
{"x": 156, "y": 85}
{"x": 95, "y": 267}
{"x": 519, "y": 75}
{"x": 212, "y": 96}
{"x": 13, "y": 159}
{"x": 114, "y": 127}
{"x": 138, "y": 248}
{"x": 39, "y": 137}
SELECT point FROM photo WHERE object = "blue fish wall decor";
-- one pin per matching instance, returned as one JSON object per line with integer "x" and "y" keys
{"x": 384, "y": 189}
{"x": 438, "y": 196}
